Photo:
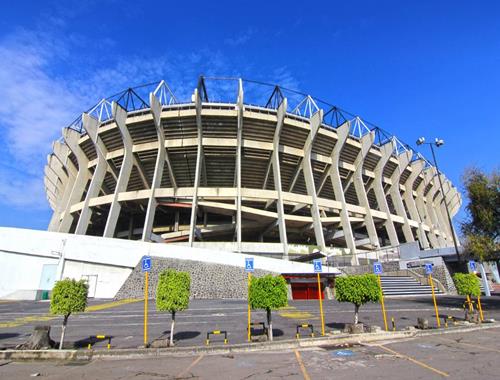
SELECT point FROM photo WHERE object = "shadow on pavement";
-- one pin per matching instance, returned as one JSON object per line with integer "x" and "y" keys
{"x": 8, "y": 335}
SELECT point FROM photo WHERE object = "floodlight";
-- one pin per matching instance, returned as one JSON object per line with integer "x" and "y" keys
{"x": 420, "y": 140}
{"x": 439, "y": 142}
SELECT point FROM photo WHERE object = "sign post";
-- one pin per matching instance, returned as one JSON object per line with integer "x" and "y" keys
{"x": 318, "y": 268}
{"x": 428, "y": 271}
{"x": 377, "y": 270}
{"x": 249, "y": 268}
{"x": 146, "y": 267}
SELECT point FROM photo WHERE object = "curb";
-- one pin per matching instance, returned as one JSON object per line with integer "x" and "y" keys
{"x": 339, "y": 340}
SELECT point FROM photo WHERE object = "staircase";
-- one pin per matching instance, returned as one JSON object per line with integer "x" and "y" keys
{"x": 405, "y": 286}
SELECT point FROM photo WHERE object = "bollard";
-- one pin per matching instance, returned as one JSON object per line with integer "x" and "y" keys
{"x": 99, "y": 337}
{"x": 304, "y": 326}
{"x": 216, "y": 332}
{"x": 393, "y": 324}
{"x": 264, "y": 329}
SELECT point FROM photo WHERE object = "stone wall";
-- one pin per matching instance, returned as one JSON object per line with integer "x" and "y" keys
{"x": 208, "y": 281}
{"x": 391, "y": 266}
{"x": 442, "y": 274}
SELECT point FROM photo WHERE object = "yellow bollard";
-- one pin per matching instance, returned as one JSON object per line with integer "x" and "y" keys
{"x": 480, "y": 308}
{"x": 146, "y": 309}
{"x": 434, "y": 299}
{"x": 320, "y": 296}
{"x": 382, "y": 303}
{"x": 249, "y": 311}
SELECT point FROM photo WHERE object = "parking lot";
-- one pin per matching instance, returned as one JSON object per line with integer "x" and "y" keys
{"x": 472, "y": 355}
{"x": 124, "y": 321}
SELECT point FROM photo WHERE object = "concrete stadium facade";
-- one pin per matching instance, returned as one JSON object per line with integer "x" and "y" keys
{"x": 226, "y": 173}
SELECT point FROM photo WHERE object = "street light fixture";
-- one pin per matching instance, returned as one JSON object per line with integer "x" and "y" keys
{"x": 438, "y": 142}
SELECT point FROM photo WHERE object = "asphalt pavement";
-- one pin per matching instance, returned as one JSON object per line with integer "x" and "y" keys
{"x": 124, "y": 322}
{"x": 466, "y": 355}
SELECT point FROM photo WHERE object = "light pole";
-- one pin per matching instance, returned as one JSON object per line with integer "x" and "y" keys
{"x": 438, "y": 142}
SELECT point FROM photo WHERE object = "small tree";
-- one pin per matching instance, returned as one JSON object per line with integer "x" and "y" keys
{"x": 172, "y": 294}
{"x": 468, "y": 285}
{"x": 68, "y": 296}
{"x": 357, "y": 290}
{"x": 268, "y": 293}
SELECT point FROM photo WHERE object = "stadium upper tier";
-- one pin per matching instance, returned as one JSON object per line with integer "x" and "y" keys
{"x": 144, "y": 165}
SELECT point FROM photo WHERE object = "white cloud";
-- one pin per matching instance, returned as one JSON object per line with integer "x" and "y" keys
{"x": 45, "y": 85}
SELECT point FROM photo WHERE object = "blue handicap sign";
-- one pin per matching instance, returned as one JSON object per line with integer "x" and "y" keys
{"x": 249, "y": 264}
{"x": 318, "y": 268}
{"x": 377, "y": 268}
{"x": 472, "y": 265}
{"x": 146, "y": 263}
{"x": 428, "y": 268}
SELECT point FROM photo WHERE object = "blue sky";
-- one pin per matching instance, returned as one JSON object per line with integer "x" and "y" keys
{"x": 427, "y": 68}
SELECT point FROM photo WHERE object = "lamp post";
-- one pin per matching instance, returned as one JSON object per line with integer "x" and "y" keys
{"x": 438, "y": 142}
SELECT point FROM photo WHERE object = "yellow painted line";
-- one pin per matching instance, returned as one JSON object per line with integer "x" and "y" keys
{"x": 196, "y": 361}
{"x": 287, "y": 308}
{"x": 296, "y": 315}
{"x": 109, "y": 305}
{"x": 485, "y": 348}
{"x": 302, "y": 366}
{"x": 415, "y": 361}
{"x": 47, "y": 317}
{"x": 25, "y": 320}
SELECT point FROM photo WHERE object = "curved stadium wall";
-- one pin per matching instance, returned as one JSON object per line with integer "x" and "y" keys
{"x": 291, "y": 170}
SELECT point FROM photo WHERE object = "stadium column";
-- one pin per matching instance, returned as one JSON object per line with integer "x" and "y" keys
{"x": 395, "y": 191}
{"x": 53, "y": 184}
{"x": 275, "y": 159}
{"x": 66, "y": 183}
{"x": 315, "y": 124}
{"x": 416, "y": 168}
{"x": 342, "y": 135}
{"x": 194, "y": 208}
{"x": 422, "y": 210}
{"x": 448, "y": 193}
{"x": 359, "y": 186}
{"x": 61, "y": 153}
{"x": 239, "y": 138}
{"x": 429, "y": 197}
{"x": 440, "y": 212}
{"x": 91, "y": 125}
{"x": 71, "y": 138}
{"x": 387, "y": 149}
{"x": 120, "y": 118}
{"x": 158, "y": 173}
{"x": 452, "y": 200}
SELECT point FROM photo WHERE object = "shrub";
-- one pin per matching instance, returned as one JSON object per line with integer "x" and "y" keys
{"x": 268, "y": 293}
{"x": 357, "y": 290}
{"x": 467, "y": 284}
{"x": 68, "y": 296}
{"x": 172, "y": 294}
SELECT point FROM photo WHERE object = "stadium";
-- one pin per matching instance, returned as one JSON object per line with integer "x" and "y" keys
{"x": 290, "y": 171}
{"x": 234, "y": 168}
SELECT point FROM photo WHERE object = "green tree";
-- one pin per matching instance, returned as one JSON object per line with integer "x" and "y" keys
{"x": 68, "y": 296}
{"x": 268, "y": 293}
{"x": 467, "y": 284}
{"x": 172, "y": 294}
{"x": 357, "y": 290}
{"x": 481, "y": 229}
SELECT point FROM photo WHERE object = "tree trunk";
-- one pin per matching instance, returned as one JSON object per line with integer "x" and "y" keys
{"x": 63, "y": 330}
{"x": 356, "y": 312}
{"x": 270, "y": 324}
{"x": 172, "y": 329}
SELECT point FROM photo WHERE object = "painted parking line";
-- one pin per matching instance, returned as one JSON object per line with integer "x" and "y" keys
{"x": 409, "y": 358}
{"x": 186, "y": 370}
{"x": 109, "y": 305}
{"x": 481, "y": 347}
{"x": 302, "y": 366}
{"x": 47, "y": 317}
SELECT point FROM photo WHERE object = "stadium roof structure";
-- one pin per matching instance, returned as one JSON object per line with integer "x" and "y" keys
{"x": 244, "y": 161}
